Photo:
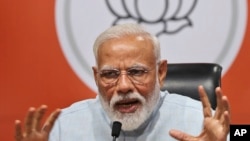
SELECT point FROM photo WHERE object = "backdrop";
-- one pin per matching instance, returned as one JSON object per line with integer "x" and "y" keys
{"x": 45, "y": 48}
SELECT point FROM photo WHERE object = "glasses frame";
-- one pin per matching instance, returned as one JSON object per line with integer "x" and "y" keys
{"x": 125, "y": 72}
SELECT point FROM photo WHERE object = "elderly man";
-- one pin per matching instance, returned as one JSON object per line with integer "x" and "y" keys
{"x": 129, "y": 74}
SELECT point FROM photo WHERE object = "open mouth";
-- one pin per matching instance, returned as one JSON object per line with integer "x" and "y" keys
{"x": 127, "y": 105}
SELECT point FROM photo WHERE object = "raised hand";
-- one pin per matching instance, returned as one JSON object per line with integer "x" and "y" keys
{"x": 216, "y": 127}
{"x": 32, "y": 128}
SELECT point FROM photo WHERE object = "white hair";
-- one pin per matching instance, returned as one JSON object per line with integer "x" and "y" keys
{"x": 122, "y": 30}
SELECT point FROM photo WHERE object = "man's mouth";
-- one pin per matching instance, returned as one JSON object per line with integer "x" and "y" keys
{"x": 128, "y": 105}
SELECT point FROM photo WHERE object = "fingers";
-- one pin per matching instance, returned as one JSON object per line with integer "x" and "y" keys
{"x": 207, "y": 112}
{"x": 226, "y": 121}
{"x": 33, "y": 119}
{"x": 29, "y": 121}
{"x": 18, "y": 131}
{"x": 38, "y": 116}
{"x": 51, "y": 120}
{"x": 222, "y": 104}
{"x": 219, "y": 124}
{"x": 33, "y": 122}
{"x": 222, "y": 112}
{"x": 219, "y": 108}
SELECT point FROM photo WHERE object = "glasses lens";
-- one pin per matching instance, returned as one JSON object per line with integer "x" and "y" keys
{"x": 137, "y": 75}
{"x": 109, "y": 76}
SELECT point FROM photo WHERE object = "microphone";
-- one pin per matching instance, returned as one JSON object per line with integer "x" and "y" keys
{"x": 116, "y": 129}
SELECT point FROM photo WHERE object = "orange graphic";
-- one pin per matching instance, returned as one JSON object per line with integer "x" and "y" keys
{"x": 34, "y": 71}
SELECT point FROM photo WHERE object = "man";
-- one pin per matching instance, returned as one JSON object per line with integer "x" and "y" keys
{"x": 129, "y": 74}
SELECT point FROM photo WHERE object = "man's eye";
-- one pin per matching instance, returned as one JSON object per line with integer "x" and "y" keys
{"x": 136, "y": 72}
{"x": 109, "y": 74}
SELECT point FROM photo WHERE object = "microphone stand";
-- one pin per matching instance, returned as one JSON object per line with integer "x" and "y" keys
{"x": 114, "y": 138}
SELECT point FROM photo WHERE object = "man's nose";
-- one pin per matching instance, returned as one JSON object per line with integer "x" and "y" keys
{"x": 124, "y": 84}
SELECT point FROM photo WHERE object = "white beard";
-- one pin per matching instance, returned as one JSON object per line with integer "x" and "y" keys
{"x": 131, "y": 121}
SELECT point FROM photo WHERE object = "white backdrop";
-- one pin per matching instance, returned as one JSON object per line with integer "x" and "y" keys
{"x": 189, "y": 31}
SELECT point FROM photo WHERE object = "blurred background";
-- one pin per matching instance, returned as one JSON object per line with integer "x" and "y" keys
{"x": 46, "y": 48}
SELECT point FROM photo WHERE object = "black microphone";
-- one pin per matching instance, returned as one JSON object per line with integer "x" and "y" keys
{"x": 116, "y": 129}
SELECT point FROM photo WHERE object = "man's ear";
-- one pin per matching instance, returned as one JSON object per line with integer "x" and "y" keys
{"x": 94, "y": 69}
{"x": 162, "y": 72}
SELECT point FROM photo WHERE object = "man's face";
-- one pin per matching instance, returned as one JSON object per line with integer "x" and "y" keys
{"x": 127, "y": 79}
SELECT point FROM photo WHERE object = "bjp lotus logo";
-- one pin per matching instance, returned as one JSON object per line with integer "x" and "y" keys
{"x": 172, "y": 15}
{"x": 188, "y": 30}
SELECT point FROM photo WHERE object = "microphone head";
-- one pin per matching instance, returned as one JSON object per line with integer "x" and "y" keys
{"x": 116, "y": 129}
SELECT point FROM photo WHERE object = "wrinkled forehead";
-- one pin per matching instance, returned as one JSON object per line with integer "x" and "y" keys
{"x": 131, "y": 50}
{"x": 133, "y": 42}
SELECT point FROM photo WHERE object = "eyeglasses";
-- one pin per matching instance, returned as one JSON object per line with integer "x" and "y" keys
{"x": 136, "y": 75}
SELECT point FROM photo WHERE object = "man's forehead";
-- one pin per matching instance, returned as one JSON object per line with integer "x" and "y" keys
{"x": 132, "y": 51}
{"x": 134, "y": 41}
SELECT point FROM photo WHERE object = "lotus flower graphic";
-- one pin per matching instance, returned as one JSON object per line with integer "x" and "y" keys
{"x": 173, "y": 15}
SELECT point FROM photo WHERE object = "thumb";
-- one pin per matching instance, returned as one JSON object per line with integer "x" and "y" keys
{"x": 180, "y": 136}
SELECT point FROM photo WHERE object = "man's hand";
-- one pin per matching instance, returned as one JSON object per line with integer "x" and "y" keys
{"x": 32, "y": 129}
{"x": 216, "y": 127}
